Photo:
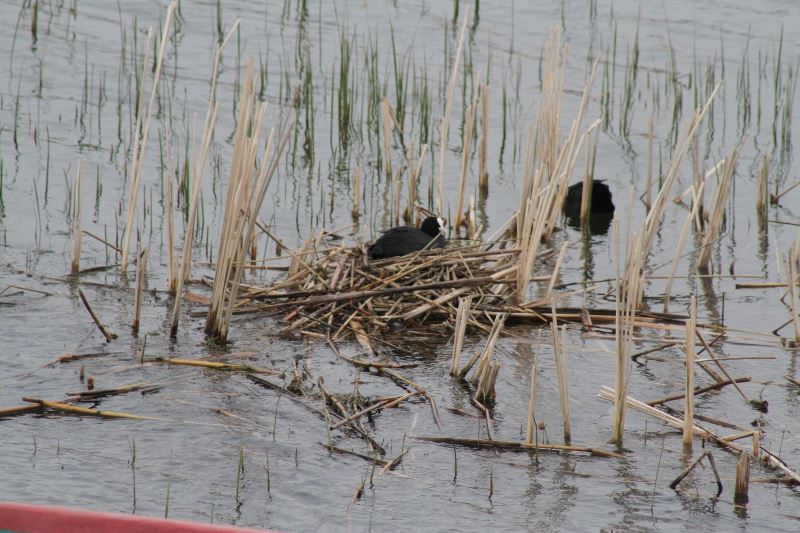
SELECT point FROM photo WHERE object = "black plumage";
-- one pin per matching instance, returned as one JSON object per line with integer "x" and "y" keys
{"x": 404, "y": 240}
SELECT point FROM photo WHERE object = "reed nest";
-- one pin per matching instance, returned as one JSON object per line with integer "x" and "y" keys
{"x": 335, "y": 290}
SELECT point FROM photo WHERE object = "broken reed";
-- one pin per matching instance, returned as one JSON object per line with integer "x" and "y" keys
{"x": 248, "y": 182}
{"x": 77, "y": 232}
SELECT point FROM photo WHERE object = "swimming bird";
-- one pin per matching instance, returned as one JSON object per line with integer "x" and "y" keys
{"x": 404, "y": 240}
{"x": 601, "y": 211}
{"x": 601, "y": 201}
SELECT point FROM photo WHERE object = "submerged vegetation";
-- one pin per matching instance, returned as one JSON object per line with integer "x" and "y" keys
{"x": 243, "y": 188}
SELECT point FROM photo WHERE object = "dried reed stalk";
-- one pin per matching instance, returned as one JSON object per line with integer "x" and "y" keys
{"x": 462, "y": 317}
{"x": 762, "y": 199}
{"x": 414, "y": 172}
{"x": 386, "y": 121}
{"x": 548, "y": 162}
{"x": 484, "y": 356}
{"x": 586, "y": 191}
{"x": 557, "y": 268}
{"x": 532, "y": 401}
{"x": 466, "y": 147}
{"x": 141, "y": 270}
{"x": 199, "y": 160}
{"x": 355, "y": 211}
{"x": 791, "y": 281}
{"x": 142, "y": 130}
{"x": 681, "y": 243}
{"x": 688, "y": 403}
{"x": 77, "y": 234}
{"x": 74, "y": 409}
{"x": 742, "y": 480}
{"x": 445, "y": 127}
{"x": 653, "y": 219}
{"x": 713, "y": 227}
{"x": 649, "y": 185}
{"x": 246, "y": 190}
{"x": 483, "y": 173}
{"x": 169, "y": 194}
{"x": 560, "y": 353}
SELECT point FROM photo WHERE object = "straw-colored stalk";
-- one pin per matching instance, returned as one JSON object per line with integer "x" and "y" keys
{"x": 398, "y": 187}
{"x": 247, "y": 188}
{"x": 141, "y": 271}
{"x": 169, "y": 194}
{"x": 199, "y": 159}
{"x": 548, "y": 163}
{"x": 586, "y": 191}
{"x": 761, "y": 199}
{"x": 462, "y": 317}
{"x": 791, "y": 283}
{"x": 532, "y": 402}
{"x": 386, "y": 115}
{"x": 355, "y": 211}
{"x": 681, "y": 243}
{"x": 472, "y": 222}
{"x": 688, "y": 399}
{"x": 649, "y": 187}
{"x": 713, "y": 227}
{"x": 483, "y": 174}
{"x": 466, "y": 148}
{"x": 77, "y": 232}
{"x": 627, "y": 289}
{"x": 557, "y": 268}
{"x": 484, "y": 356}
{"x": 742, "y": 480}
{"x": 444, "y": 130}
{"x": 560, "y": 355}
{"x": 637, "y": 255}
{"x": 142, "y": 130}
{"x": 414, "y": 172}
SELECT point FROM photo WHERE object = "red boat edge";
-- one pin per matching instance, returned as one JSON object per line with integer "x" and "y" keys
{"x": 26, "y": 518}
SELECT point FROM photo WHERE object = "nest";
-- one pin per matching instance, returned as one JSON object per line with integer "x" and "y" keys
{"x": 334, "y": 289}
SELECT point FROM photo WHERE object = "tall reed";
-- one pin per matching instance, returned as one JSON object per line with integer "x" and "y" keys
{"x": 248, "y": 182}
{"x": 142, "y": 131}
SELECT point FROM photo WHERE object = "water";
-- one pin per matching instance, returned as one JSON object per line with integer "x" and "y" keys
{"x": 67, "y": 95}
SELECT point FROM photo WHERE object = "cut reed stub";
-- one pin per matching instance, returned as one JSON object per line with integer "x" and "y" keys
{"x": 740, "y": 493}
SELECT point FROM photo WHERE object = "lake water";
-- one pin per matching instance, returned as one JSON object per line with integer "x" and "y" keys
{"x": 67, "y": 93}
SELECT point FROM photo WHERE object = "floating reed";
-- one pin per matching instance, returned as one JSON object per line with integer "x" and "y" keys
{"x": 77, "y": 234}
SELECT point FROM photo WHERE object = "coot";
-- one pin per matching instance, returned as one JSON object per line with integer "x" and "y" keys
{"x": 600, "y": 200}
{"x": 404, "y": 240}
{"x": 601, "y": 207}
